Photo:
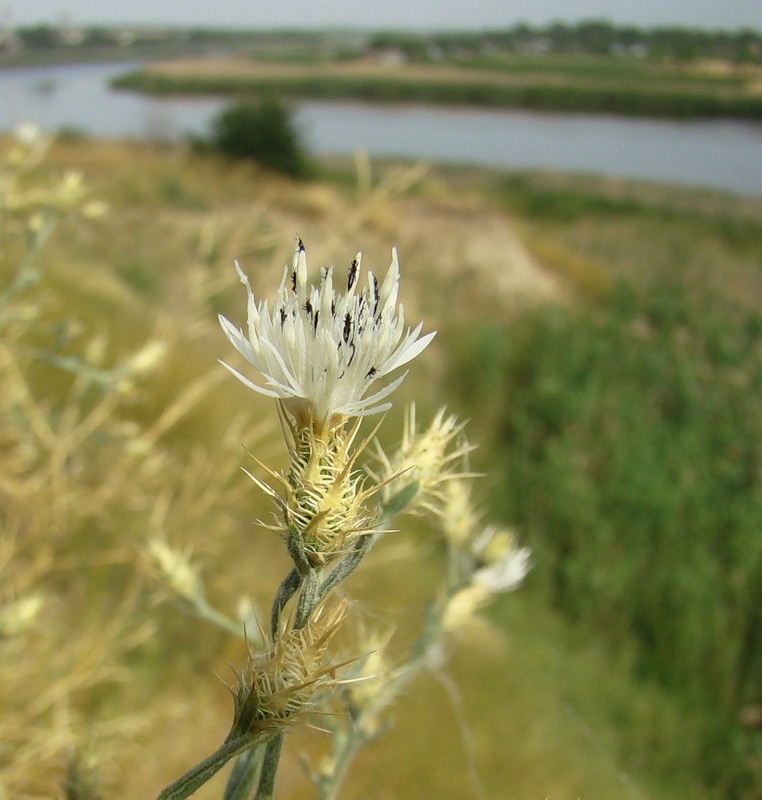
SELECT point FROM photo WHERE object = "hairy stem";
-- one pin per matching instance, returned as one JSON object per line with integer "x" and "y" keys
{"x": 270, "y": 768}
{"x": 285, "y": 592}
{"x": 245, "y": 775}
{"x": 204, "y": 770}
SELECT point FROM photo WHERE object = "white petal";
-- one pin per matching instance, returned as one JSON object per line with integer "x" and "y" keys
{"x": 246, "y": 382}
{"x": 323, "y": 348}
{"x": 379, "y": 395}
{"x": 408, "y": 350}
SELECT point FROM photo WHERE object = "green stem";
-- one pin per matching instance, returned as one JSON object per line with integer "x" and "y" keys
{"x": 309, "y": 597}
{"x": 346, "y": 566}
{"x": 285, "y": 592}
{"x": 270, "y": 768}
{"x": 245, "y": 775}
{"x": 204, "y": 770}
{"x": 348, "y": 745}
{"x": 454, "y": 569}
{"x": 204, "y": 610}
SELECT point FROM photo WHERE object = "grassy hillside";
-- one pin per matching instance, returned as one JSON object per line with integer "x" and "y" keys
{"x": 554, "y": 697}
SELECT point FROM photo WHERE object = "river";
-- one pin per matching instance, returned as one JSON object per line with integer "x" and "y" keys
{"x": 716, "y": 154}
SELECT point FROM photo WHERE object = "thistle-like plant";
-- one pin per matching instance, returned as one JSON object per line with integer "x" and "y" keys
{"x": 321, "y": 353}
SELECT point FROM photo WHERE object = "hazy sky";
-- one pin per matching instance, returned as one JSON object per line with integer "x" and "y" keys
{"x": 425, "y": 14}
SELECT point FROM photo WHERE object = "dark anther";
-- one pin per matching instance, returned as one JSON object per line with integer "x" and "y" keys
{"x": 352, "y": 277}
{"x": 376, "y": 295}
{"x": 371, "y": 372}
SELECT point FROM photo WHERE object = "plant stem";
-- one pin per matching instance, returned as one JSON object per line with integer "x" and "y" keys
{"x": 308, "y": 599}
{"x": 347, "y": 745}
{"x": 204, "y": 610}
{"x": 204, "y": 770}
{"x": 269, "y": 768}
{"x": 244, "y": 776}
{"x": 285, "y": 592}
{"x": 312, "y": 592}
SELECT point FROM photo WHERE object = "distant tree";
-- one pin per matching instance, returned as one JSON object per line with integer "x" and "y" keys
{"x": 39, "y": 36}
{"x": 596, "y": 37}
{"x": 99, "y": 37}
{"x": 630, "y": 36}
{"x": 561, "y": 37}
{"x": 264, "y": 132}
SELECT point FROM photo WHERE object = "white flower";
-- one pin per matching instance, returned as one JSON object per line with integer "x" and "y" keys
{"x": 29, "y": 134}
{"x": 321, "y": 351}
{"x": 506, "y": 573}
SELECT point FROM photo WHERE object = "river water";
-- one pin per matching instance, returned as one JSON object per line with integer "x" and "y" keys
{"x": 716, "y": 154}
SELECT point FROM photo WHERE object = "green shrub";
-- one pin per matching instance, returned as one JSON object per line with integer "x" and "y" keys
{"x": 263, "y": 131}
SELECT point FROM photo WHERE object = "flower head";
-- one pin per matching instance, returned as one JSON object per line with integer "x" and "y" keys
{"x": 279, "y": 683}
{"x": 321, "y": 351}
{"x": 504, "y": 572}
{"x": 429, "y": 459}
{"x": 499, "y": 564}
{"x": 324, "y": 509}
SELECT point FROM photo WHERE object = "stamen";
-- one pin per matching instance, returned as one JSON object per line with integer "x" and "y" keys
{"x": 352, "y": 276}
{"x": 376, "y": 295}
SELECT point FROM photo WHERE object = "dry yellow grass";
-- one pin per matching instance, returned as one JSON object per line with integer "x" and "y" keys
{"x": 89, "y": 471}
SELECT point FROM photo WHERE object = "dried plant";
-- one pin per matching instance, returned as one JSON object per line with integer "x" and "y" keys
{"x": 78, "y": 475}
{"x": 321, "y": 353}
{"x": 68, "y": 513}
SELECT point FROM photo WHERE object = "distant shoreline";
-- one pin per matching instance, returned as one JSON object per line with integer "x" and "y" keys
{"x": 646, "y": 90}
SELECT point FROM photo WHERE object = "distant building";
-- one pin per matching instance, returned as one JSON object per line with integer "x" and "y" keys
{"x": 537, "y": 45}
{"x": 10, "y": 43}
{"x": 391, "y": 56}
{"x": 69, "y": 34}
{"x": 125, "y": 37}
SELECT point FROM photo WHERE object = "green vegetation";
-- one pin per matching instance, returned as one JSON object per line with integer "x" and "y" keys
{"x": 591, "y": 37}
{"x": 629, "y": 436}
{"x": 631, "y": 453}
{"x": 549, "y": 91}
{"x": 264, "y": 132}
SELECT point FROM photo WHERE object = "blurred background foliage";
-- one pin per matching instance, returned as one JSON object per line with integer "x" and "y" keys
{"x": 604, "y": 339}
{"x": 263, "y": 131}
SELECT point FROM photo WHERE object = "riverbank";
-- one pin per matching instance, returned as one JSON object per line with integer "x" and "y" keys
{"x": 723, "y": 154}
{"x": 578, "y": 84}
